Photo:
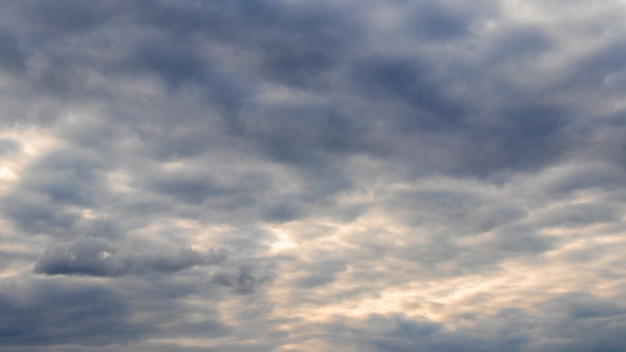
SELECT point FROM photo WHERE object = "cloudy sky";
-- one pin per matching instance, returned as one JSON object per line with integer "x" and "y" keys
{"x": 312, "y": 175}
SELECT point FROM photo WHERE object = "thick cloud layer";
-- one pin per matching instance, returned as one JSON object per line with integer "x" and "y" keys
{"x": 312, "y": 176}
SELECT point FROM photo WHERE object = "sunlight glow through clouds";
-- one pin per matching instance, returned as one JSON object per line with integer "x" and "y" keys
{"x": 295, "y": 176}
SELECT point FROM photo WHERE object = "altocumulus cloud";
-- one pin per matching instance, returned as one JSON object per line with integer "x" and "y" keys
{"x": 312, "y": 176}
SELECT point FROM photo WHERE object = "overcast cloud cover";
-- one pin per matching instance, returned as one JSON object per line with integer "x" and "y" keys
{"x": 299, "y": 175}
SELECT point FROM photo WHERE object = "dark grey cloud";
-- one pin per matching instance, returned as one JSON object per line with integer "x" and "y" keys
{"x": 52, "y": 313}
{"x": 519, "y": 44}
{"x": 95, "y": 257}
{"x": 62, "y": 179}
{"x": 242, "y": 279}
{"x": 189, "y": 188}
{"x": 183, "y": 52}
{"x": 11, "y": 56}
{"x": 412, "y": 83}
{"x": 35, "y": 215}
{"x": 403, "y": 176}
{"x": 441, "y": 21}
{"x": 70, "y": 17}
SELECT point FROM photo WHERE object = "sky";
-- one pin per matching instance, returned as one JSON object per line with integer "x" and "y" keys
{"x": 299, "y": 175}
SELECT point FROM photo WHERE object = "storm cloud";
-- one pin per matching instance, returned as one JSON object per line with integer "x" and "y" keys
{"x": 312, "y": 176}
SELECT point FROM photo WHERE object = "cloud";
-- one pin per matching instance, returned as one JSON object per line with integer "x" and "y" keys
{"x": 96, "y": 257}
{"x": 243, "y": 280}
{"x": 311, "y": 175}
{"x": 397, "y": 333}
{"x": 8, "y": 146}
{"x": 49, "y": 313}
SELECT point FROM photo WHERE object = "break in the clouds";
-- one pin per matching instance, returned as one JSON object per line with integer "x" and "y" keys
{"x": 312, "y": 175}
